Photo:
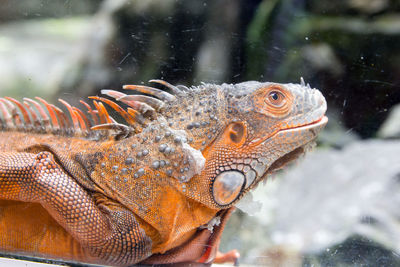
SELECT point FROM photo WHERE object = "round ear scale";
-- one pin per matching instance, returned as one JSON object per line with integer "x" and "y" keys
{"x": 235, "y": 133}
{"x": 227, "y": 187}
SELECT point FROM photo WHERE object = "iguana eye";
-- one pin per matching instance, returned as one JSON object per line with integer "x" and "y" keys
{"x": 227, "y": 187}
{"x": 276, "y": 99}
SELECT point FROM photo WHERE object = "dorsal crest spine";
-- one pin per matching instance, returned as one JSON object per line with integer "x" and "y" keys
{"x": 41, "y": 117}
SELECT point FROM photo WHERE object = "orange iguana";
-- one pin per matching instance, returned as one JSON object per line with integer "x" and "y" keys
{"x": 155, "y": 189}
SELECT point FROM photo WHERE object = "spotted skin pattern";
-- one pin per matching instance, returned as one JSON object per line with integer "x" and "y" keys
{"x": 38, "y": 178}
{"x": 156, "y": 189}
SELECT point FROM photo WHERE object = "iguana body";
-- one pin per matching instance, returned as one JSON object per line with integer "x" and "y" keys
{"x": 152, "y": 189}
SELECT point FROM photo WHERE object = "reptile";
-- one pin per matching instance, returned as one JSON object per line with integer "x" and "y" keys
{"x": 150, "y": 177}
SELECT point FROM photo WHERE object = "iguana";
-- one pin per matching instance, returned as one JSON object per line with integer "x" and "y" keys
{"x": 155, "y": 188}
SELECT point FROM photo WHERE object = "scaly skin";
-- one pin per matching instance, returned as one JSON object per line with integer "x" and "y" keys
{"x": 147, "y": 191}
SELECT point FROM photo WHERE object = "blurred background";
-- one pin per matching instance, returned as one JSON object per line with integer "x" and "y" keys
{"x": 337, "y": 207}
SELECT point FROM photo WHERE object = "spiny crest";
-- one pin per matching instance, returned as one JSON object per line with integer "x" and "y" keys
{"x": 43, "y": 117}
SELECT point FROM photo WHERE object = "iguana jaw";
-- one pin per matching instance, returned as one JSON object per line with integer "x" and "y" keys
{"x": 314, "y": 128}
{"x": 318, "y": 124}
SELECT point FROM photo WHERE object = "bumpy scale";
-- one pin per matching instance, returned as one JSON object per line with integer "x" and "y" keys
{"x": 157, "y": 188}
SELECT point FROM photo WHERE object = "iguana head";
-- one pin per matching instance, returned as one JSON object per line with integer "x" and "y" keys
{"x": 260, "y": 127}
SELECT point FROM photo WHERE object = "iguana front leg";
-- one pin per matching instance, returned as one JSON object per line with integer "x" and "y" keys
{"x": 111, "y": 234}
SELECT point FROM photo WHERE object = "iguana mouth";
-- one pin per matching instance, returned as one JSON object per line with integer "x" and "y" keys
{"x": 296, "y": 153}
{"x": 318, "y": 123}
